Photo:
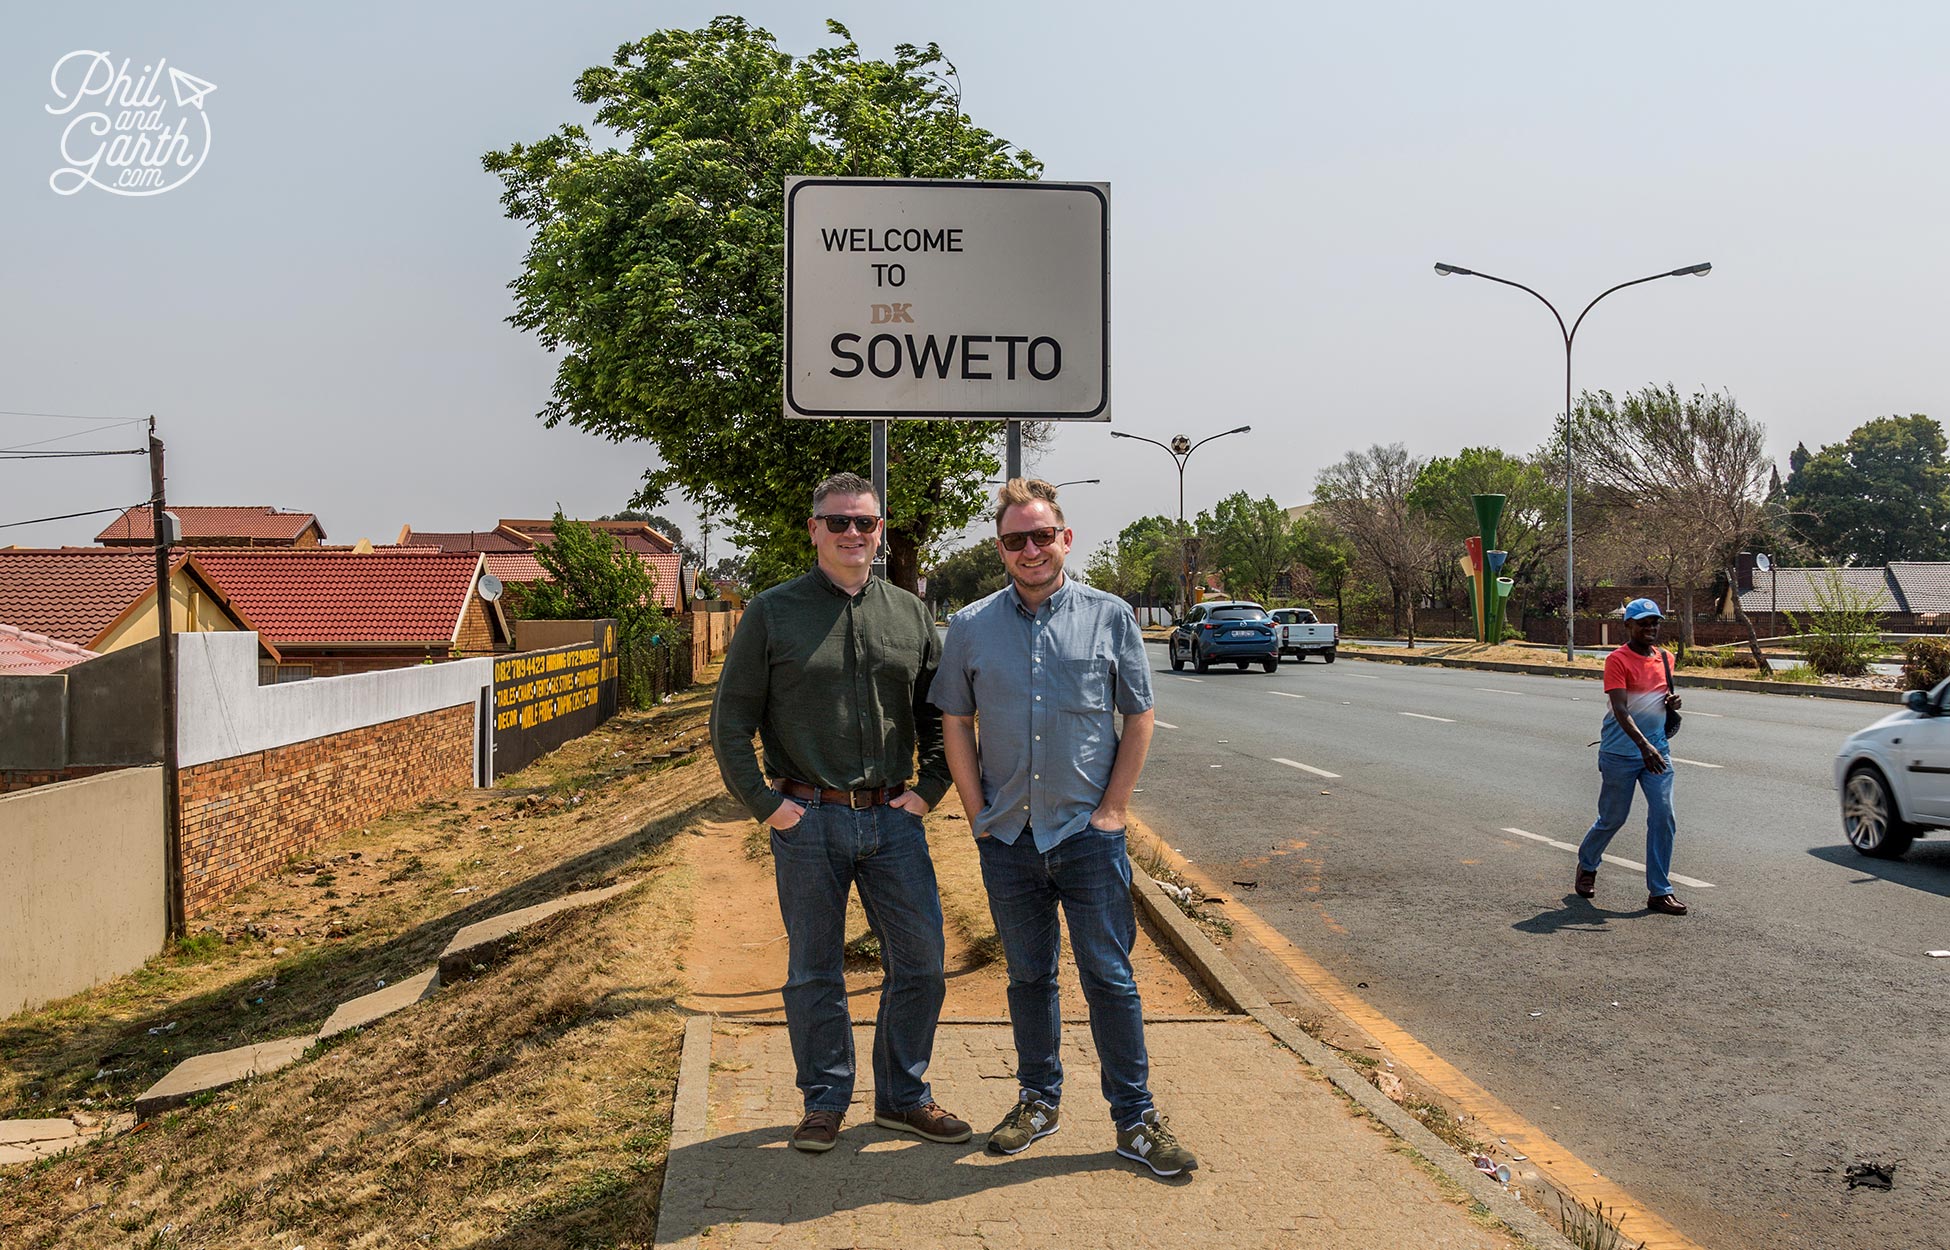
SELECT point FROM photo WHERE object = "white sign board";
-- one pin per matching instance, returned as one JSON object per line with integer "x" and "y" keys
{"x": 917, "y": 299}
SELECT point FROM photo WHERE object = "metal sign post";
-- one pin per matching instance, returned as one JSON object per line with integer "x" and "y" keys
{"x": 880, "y": 493}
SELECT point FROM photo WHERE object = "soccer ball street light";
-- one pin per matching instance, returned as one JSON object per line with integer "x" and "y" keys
{"x": 1570, "y": 567}
{"x": 1180, "y": 450}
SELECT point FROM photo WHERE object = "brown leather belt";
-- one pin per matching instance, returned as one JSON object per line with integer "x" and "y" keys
{"x": 855, "y": 799}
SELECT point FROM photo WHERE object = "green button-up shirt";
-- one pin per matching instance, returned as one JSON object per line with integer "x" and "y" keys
{"x": 836, "y": 688}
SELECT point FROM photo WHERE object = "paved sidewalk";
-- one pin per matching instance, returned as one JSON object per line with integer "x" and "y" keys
{"x": 1284, "y": 1160}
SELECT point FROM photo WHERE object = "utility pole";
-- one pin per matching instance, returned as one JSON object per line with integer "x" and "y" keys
{"x": 166, "y": 663}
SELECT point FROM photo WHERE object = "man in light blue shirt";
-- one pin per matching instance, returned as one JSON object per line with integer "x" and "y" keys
{"x": 1048, "y": 664}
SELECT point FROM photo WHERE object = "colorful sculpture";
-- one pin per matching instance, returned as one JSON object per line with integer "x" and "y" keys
{"x": 1482, "y": 565}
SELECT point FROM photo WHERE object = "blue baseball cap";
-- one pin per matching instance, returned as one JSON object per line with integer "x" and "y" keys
{"x": 1639, "y": 609}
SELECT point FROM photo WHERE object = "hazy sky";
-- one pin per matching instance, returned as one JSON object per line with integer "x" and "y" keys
{"x": 317, "y": 318}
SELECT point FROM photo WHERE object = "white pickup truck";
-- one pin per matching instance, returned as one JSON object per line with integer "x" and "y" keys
{"x": 1302, "y": 634}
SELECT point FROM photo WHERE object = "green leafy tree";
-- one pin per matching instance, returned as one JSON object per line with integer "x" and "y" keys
{"x": 1532, "y": 529}
{"x": 1365, "y": 497}
{"x": 1250, "y": 542}
{"x": 656, "y": 271}
{"x": 665, "y": 526}
{"x": 1146, "y": 559}
{"x": 1327, "y": 554}
{"x": 967, "y": 575}
{"x": 1882, "y": 495}
{"x": 594, "y": 577}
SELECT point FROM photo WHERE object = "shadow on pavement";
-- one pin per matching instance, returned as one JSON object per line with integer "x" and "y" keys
{"x": 1576, "y": 913}
{"x": 1927, "y": 867}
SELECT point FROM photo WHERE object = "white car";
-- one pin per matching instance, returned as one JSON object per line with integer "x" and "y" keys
{"x": 1894, "y": 776}
{"x": 1302, "y": 634}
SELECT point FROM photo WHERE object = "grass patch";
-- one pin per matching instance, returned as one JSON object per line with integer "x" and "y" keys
{"x": 1592, "y": 1227}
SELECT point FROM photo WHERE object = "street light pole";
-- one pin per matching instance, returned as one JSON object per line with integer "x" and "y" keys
{"x": 1180, "y": 450}
{"x": 1570, "y": 567}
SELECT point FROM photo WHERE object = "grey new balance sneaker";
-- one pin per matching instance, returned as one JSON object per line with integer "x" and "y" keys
{"x": 1150, "y": 1142}
{"x": 1029, "y": 1119}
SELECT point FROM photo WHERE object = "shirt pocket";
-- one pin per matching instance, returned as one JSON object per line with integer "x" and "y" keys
{"x": 1083, "y": 685}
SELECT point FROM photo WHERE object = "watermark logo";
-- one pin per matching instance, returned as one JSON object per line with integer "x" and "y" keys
{"x": 124, "y": 134}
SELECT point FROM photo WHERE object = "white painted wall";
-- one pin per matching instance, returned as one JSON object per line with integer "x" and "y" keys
{"x": 224, "y": 712}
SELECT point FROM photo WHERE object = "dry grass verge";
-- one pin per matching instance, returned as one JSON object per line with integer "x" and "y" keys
{"x": 528, "y": 1107}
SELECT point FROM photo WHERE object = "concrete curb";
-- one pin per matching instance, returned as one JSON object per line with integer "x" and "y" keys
{"x": 1231, "y": 986}
{"x": 1684, "y": 680}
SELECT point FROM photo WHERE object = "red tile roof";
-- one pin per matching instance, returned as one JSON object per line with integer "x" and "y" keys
{"x": 74, "y": 594}
{"x": 308, "y": 597}
{"x": 637, "y": 535}
{"x": 480, "y": 540}
{"x": 23, "y": 654}
{"x": 516, "y": 566}
{"x": 220, "y": 522}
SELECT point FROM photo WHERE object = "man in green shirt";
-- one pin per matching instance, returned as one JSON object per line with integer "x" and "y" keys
{"x": 831, "y": 671}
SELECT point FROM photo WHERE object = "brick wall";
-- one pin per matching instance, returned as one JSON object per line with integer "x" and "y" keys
{"x": 27, "y": 778}
{"x": 243, "y": 817}
{"x": 476, "y": 630}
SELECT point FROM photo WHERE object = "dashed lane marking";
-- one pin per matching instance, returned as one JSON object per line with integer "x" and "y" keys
{"x": 1494, "y": 690}
{"x": 1307, "y": 768}
{"x": 1696, "y": 763}
{"x": 1714, "y": 715}
{"x": 1620, "y": 860}
{"x": 1286, "y": 694}
{"x": 1419, "y": 716}
{"x": 1563, "y": 1167}
{"x": 1191, "y": 679}
{"x": 1163, "y": 724}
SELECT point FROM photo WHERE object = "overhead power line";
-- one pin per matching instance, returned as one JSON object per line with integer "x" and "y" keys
{"x": 65, "y": 516}
{"x": 68, "y": 455}
{"x": 70, "y": 416}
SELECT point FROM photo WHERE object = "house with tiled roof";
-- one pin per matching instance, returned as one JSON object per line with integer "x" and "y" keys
{"x": 104, "y": 598}
{"x": 218, "y": 527}
{"x": 335, "y": 612}
{"x": 25, "y": 654}
{"x": 1909, "y": 595}
{"x": 511, "y": 544}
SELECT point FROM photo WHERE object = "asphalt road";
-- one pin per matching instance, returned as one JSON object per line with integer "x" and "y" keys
{"x": 1725, "y": 1067}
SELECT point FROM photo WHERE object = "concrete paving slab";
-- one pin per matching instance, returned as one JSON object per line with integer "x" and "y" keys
{"x": 483, "y": 941}
{"x": 1282, "y": 1161}
{"x": 17, "y": 1132}
{"x": 226, "y": 1067}
{"x": 381, "y": 1003}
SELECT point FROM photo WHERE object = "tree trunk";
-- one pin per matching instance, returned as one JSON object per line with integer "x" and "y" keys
{"x": 1740, "y": 614}
{"x": 1686, "y": 620}
{"x": 1340, "y": 607}
{"x": 903, "y": 560}
{"x": 1411, "y": 622}
{"x": 1395, "y": 623}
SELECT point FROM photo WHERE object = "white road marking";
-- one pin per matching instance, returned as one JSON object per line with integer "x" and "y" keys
{"x": 1620, "y": 860}
{"x": 1696, "y": 763}
{"x": 1163, "y": 724}
{"x": 1286, "y": 695}
{"x": 1494, "y": 690}
{"x": 1307, "y": 768}
{"x": 1418, "y": 716}
{"x": 1364, "y": 676}
{"x": 1714, "y": 715}
{"x": 1191, "y": 679}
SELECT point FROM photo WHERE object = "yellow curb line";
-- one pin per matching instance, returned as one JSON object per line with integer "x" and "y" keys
{"x": 1545, "y": 1153}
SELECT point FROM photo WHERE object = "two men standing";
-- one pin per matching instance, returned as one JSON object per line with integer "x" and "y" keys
{"x": 837, "y": 673}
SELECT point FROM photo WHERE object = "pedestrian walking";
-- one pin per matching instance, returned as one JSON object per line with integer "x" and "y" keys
{"x": 831, "y": 671}
{"x": 1633, "y": 754}
{"x": 1048, "y": 663}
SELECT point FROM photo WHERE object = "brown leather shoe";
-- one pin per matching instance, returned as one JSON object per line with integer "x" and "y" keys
{"x": 1665, "y": 905}
{"x": 931, "y": 1121}
{"x": 817, "y": 1132}
{"x": 1586, "y": 884}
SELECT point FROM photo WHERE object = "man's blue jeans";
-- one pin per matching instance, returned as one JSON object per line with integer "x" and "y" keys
{"x": 816, "y": 863}
{"x": 1089, "y": 874}
{"x": 1622, "y": 773}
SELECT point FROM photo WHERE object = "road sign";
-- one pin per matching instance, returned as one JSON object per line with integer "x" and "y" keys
{"x": 920, "y": 299}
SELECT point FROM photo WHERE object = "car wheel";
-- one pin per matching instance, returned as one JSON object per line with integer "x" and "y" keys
{"x": 1870, "y": 818}
{"x": 1270, "y": 663}
{"x": 1177, "y": 660}
{"x": 1199, "y": 661}
{"x": 1328, "y": 656}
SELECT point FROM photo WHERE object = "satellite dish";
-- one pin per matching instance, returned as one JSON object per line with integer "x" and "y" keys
{"x": 490, "y": 587}
{"x": 1762, "y": 563}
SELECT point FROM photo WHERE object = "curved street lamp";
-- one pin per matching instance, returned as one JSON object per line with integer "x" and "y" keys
{"x": 1570, "y": 583}
{"x": 1180, "y": 450}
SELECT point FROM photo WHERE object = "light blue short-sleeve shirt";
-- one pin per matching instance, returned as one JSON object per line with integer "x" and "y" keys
{"x": 1047, "y": 687}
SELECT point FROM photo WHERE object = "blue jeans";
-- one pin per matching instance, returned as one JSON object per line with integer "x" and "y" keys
{"x": 1621, "y": 774}
{"x": 1090, "y": 876}
{"x": 816, "y": 863}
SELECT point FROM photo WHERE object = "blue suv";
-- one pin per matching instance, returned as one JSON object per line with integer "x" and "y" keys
{"x": 1225, "y": 629}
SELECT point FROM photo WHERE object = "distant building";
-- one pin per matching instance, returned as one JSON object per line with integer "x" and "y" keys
{"x": 218, "y": 527}
{"x": 511, "y": 544}
{"x": 104, "y": 599}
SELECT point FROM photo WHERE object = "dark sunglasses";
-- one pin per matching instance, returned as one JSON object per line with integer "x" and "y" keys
{"x": 1043, "y": 537}
{"x": 836, "y": 523}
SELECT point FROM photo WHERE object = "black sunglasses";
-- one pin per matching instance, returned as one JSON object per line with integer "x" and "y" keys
{"x": 837, "y": 522}
{"x": 1043, "y": 537}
